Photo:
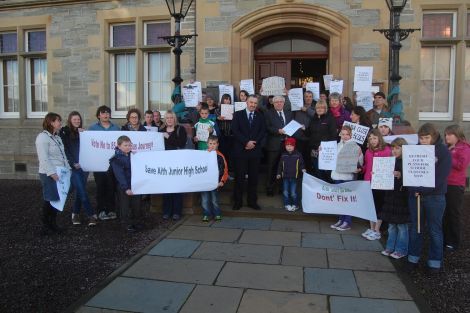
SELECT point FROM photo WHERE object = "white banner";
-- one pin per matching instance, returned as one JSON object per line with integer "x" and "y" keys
{"x": 363, "y": 78}
{"x": 382, "y": 173}
{"x": 327, "y": 155}
{"x": 174, "y": 171}
{"x": 296, "y": 98}
{"x": 336, "y": 86}
{"x": 411, "y": 139}
{"x": 97, "y": 147}
{"x": 315, "y": 89}
{"x": 359, "y": 132}
{"x": 419, "y": 165}
{"x": 63, "y": 186}
{"x": 247, "y": 85}
{"x": 351, "y": 198}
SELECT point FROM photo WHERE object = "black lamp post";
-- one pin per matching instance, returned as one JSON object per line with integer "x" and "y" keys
{"x": 178, "y": 10}
{"x": 395, "y": 35}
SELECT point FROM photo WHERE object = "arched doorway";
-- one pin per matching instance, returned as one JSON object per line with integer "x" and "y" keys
{"x": 297, "y": 57}
{"x": 290, "y": 22}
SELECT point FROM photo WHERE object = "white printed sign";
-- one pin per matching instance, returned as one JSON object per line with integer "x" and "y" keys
{"x": 296, "y": 98}
{"x": 411, "y": 139}
{"x": 247, "y": 85}
{"x": 359, "y": 132}
{"x": 174, "y": 171}
{"x": 225, "y": 89}
{"x": 382, "y": 173}
{"x": 63, "y": 186}
{"x": 273, "y": 86}
{"x": 97, "y": 147}
{"x": 315, "y": 89}
{"x": 419, "y": 165}
{"x": 351, "y": 198}
{"x": 363, "y": 78}
{"x": 190, "y": 96}
{"x": 347, "y": 159}
{"x": 365, "y": 99}
{"x": 336, "y": 86}
{"x": 327, "y": 155}
{"x": 239, "y": 106}
{"x": 226, "y": 110}
{"x": 326, "y": 80}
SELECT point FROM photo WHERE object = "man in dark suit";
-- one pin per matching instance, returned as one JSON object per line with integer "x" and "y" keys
{"x": 276, "y": 119}
{"x": 249, "y": 131}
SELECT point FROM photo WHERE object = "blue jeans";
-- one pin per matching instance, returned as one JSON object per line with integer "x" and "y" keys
{"x": 432, "y": 208}
{"x": 289, "y": 187}
{"x": 210, "y": 203}
{"x": 344, "y": 218}
{"x": 397, "y": 238}
{"x": 172, "y": 203}
{"x": 78, "y": 180}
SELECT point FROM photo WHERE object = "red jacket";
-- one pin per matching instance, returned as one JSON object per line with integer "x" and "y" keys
{"x": 460, "y": 161}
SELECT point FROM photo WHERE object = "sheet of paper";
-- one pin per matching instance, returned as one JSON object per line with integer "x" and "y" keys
{"x": 296, "y": 98}
{"x": 151, "y": 128}
{"x": 347, "y": 159}
{"x": 273, "y": 86}
{"x": 190, "y": 96}
{"x": 247, "y": 85}
{"x": 363, "y": 78}
{"x": 202, "y": 132}
{"x": 365, "y": 99}
{"x": 315, "y": 89}
{"x": 382, "y": 173}
{"x": 336, "y": 86}
{"x": 226, "y": 110}
{"x": 239, "y": 106}
{"x": 326, "y": 80}
{"x": 419, "y": 163}
{"x": 411, "y": 139}
{"x": 359, "y": 132}
{"x": 327, "y": 155}
{"x": 292, "y": 127}
{"x": 225, "y": 89}
{"x": 63, "y": 186}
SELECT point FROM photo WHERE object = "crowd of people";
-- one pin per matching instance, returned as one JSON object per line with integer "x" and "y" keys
{"x": 256, "y": 136}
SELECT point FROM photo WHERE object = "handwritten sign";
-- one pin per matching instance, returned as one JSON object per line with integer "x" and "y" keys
{"x": 226, "y": 110}
{"x": 419, "y": 165}
{"x": 239, "y": 106}
{"x": 296, "y": 98}
{"x": 382, "y": 173}
{"x": 273, "y": 86}
{"x": 190, "y": 96}
{"x": 326, "y": 80}
{"x": 247, "y": 85}
{"x": 63, "y": 186}
{"x": 336, "y": 86}
{"x": 225, "y": 89}
{"x": 348, "y": 157}
{"x": 202, "y": 131}
{"x": 359, "y": 132}
{"x": 327, "y": 155}
{"x": 315, "y": 89}
{"x": 363, "y": 78}
{"x": 365, "y": 99}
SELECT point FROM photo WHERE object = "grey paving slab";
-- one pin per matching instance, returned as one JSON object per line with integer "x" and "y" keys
{"x": 239, "y": 252}
{"x": 357, "y": 227}
{"x": 213, "y": 299}
{"x": 262, "y": 301}
{"x": 299, "y": 226}
{"x": 206, "y": 233}
{"x": 244, "y": 223}
{"x": 268, "y": 237}
{"x": 357, "y": 242}
{"x": 261, "y": 276}
{"x": 306, "y": 257}
{"x": 89, "y": 309}
{"x": 330, "y": 282}
{"x": 175, "y": 269}
{"x": 329, "y": 241}
{"x": 142, "y": 295}
{"x": 175, "y": 248}
{"x": 365, "y": 305}
{"x": 381, "y": 285}
{"x": 359, "y": 260}
{"x": 196, "y": 220}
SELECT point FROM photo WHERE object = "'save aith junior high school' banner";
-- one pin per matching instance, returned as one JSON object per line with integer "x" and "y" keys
{"x": 97, "y": 147}
{"x": 174, "y": 171}
{"x": 351, "y": 198}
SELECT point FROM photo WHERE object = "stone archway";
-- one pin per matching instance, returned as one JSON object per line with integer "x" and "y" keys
{"x": 305, "y": 18}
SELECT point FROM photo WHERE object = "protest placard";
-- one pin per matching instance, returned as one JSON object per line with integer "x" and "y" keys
{"x": 296, "y": 98}
{"x": 248, "y": 86}
{"x": 351, "y": 198}
{"x": 326, "y": 80}
{"x": 97, "y": 147}
{"x": 226, "y": 110}
{"x": 203, "y": 131}
{"x": 365, "y": 99}
{"x": 174, "y": 171}
{"x": 359, "y": 132}
{"x": 348, "y": 156}
{"x": 273, "y": 86}
{"x": 382, "y": 173}
{"x": 327, "y": 155}
{"x": 363, "y": 78}
{"x": 419, "y": 165}
{"x": 292, "y": 127}
{"x": 190, "y": 96}
{"x": 336, "y": 86}
{"x": 225, "y": 89}
{"x": 239, "y": 106}
{"x": 63, "y": 186}
{"x": 315, "y": 89}
{"x": 411, "y": 139}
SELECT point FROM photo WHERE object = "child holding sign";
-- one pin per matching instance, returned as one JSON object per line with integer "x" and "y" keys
{"x": 204, "y": 127}
{"x": 395, "y": 209}
{"x": 433, "y": 203}
{"x": 376, "y": 148}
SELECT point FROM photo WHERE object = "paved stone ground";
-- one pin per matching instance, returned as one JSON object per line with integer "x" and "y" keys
{"x": 258, "y": 265}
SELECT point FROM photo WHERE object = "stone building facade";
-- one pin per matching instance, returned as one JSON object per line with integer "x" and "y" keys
{"x": 64, "y": 55}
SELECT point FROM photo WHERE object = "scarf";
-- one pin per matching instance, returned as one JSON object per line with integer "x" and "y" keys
{"x": 336, "y": 111}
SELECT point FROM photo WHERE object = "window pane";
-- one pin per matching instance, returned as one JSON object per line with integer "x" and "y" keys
{"x": 159, "y": 81}
{"x": 468, "y": 24}
{"x": 438, "y": 25}
{"x": 8, "y": 43}
{"x": 156, "y": 30}
{"x": 123, "y": 35}
{"x": 466, "y": 103}
{"x": 124, "y": 81}
{"x": 36, "y": 40}
{"x": 10, "y": 86}
{"x": 38, "y": 88}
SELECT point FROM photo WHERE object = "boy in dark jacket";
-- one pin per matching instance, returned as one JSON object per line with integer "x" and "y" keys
{"x": 291, "y": 164}
{"x": 121, "y": 166}
{"x": 210, "y": 199}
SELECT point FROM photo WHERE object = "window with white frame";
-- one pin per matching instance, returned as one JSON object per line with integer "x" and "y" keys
{"x": 36, "y": 73}
{"x": 466, "y": 95}
{"x": 9, "y": 91}
{"x": 437, "y": 74}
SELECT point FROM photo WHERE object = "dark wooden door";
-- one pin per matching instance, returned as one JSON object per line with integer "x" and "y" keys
{"x": 268, "y": 68}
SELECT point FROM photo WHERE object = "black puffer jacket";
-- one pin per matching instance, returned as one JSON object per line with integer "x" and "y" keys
{"x": 322, "y": 128}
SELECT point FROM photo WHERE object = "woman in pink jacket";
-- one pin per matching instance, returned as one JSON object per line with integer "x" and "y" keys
{"x": 376, "y": 148}
{"x": 460, "y": 151}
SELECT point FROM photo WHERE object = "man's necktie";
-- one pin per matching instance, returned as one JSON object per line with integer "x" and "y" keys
{"x": 282, "y": 119}
{"x": 250, "y": 119}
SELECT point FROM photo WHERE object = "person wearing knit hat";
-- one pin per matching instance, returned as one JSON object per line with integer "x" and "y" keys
{"x": 385, "y": 126}
{"x": 290, "y": 168}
